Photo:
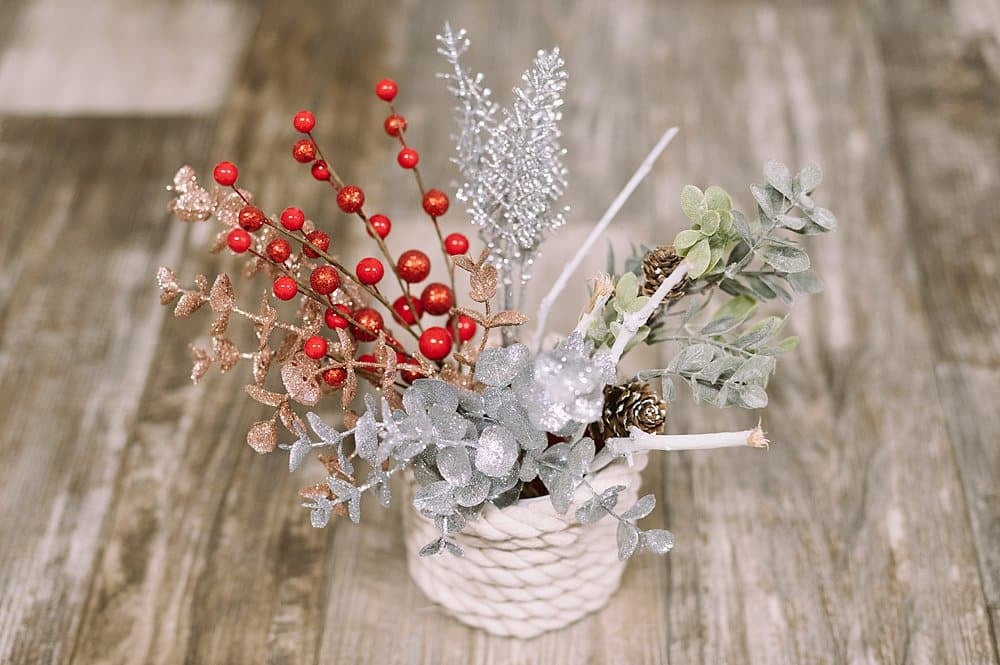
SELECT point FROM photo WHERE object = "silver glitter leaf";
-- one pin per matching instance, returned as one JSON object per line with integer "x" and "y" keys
{"x": 436, "y": 392}
{"x": 474, "y": 492}
{"x": 660, "y": 541}
{"x": 450, "y": 524}
{"x": 454, "y": 465}
{"x": 327, "y": 434}
{"x": 349, "y": 494}
{"x": 453, "y": 548}
{"x": 366, "y": 437}
{"x": 497, "y": 451}
{"x": 590, "y": 512}
{"x": 628, "y": 540}
{"x": 432, "y": 548}
{"x": 435, "y": 499}
{"x": 499, "y": 366}
{"x": 641, "y": 508}
{"x": 319, "y": 516}
{"x": 298, "y": 452}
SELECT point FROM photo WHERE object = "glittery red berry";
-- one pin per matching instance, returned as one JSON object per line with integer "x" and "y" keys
{"x": 238, "y": 240}
{"x": 368, "y": 359}
{"x": 369, "y": 324}
{"x": 369, "y": 271}
{"x": 403, "y": 313}
{"x": 304, "y": 121}
{"x": 437, "y": 299}
{"x": 395, "y": 125}
{"x": 250, "y": 218}
{"x": 350, "y": 198}
{"x": 335, "y": 377}
{"x": 466, "y": 327}
{"x": 292, "y": 218}
{"x": 285, "y": 288}
{"x": 413, "y": 266}
{"x": 314, "y": 347}
{"x": 456, "y": 244}
{"x": 435, "y": 202}
{"x": 320, "y": 170}
{"x": 381, "y": 224}
{"x": 225, "y": 173}
{"x": 435, "y": 343}
{"x": 304, "y": 151}
{"x": 334, "y": 316}
{"x": 386, "y": 90}
{"x": 408, "y": 158}
{"x": 324, "y": 280}
{"x": 318, "y": 238}
{"x": 278, "y": 250}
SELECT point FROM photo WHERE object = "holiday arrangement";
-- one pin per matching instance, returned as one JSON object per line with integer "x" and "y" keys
{"x": 513, "y": 443}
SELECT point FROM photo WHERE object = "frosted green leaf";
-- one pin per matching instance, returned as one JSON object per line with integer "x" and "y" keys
{"x": 791, "y": 222}
{"x": 716, "y": 198}
{"x": 739, "y": 308}
{"x": 669, "y": 390}
{"x": 758, "y": 286}
{"x": 753, "y": 396}
{"x": 692, "y": 358}
{"x": 809, "y": 177}
{"x": 726, "y": 222}
{"x": 692, "y": 201}
{"x": 763, "y": 199}
{"x": 686, "y": 239}
{"x": 709, "y": 222}
{"x": 700, "y": 257}
{"x": 786, "y": 258}
{"x": 774, "y": 283}
{"x": 779, "y": 177}
{"x": 787, "y": 344}
{"x": 742, "y": 228}
{"x": 760, "y": 332}
{"x": 823, "y": 217}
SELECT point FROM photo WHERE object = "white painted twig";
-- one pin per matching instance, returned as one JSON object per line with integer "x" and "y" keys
{"x": 633, "y": 321}
{"x": 639, "y": 441}
{"x": 550, "y": 298}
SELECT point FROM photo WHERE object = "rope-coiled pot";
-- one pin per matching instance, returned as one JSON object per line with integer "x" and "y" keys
{"x": 526, "y": 570}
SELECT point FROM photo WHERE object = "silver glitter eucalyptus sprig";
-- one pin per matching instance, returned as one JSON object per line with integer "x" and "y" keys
{"x": 512, "y": 165}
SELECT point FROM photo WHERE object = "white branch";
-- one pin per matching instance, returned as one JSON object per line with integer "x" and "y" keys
{"x": 641, "y": 441}
{"x": 633, "y": 321}
{"x": 550, "y": 298}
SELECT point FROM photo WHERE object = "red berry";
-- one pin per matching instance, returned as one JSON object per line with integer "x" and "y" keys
{"x": 304, "y": 151}
{"x": 381, "y": 224}
{"x": 350, "y": 198}
{"x": 408, "y": 158}
{"x": 278, "y": 250}
{"x": 366, "y": 358}
{"x": 369, "y": 324}
{"x": 315, "y": 347}
{"x": 435, "y": 343}
{"x": 320, "y": 171}
{"x": 407, "y": 375}
{"x": 292, "y": 218}
{"x": 285, "y": 288}
{"x": 334, "y": 316}
{"x": 324, "y": 280}
{"x": 304, "y": 121}
{"x": 318, "y": 238}
{"x": 413, "y": 266}
{"x": 395, "y": 125}
{"x": 386, "y": 90}
{"x": 403, "y": 312}
{"x": 226, "y": 173}
{"x": 238, "y": 240}
{"x": 370, "y": 271}
{"x": 466, "y": 327}
{"x": 437, "y": 299}
{"x": 435, "y": 202}
{"x": 250, "y": 218}
{"x": 335, "y": 377}
{"x": 456, "y": 244}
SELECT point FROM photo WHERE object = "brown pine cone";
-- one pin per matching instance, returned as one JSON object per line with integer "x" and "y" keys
{"x": 656, "y": 266}
{"x": 633, "y": 404}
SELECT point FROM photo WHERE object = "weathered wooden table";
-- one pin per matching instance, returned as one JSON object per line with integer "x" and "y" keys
{"x": 136, "y": 527}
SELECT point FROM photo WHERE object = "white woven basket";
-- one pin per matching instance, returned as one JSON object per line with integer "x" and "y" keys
{"x": 526, "y": 570}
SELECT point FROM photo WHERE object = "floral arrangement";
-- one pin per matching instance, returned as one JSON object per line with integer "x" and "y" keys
{"x": 453, "y": 392}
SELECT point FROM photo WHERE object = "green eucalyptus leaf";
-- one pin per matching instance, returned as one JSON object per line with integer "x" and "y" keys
{"x": 740, "y": 308}
{"x": 787, "y": 344}
{"x": 716, "y": 198}
{"x": 700, "y": 257}
{"x": 753, "y": 396}
{"x": 685, "y": 240}
{"x": 779, "y": 177}
{"x": 709, "y": 222}
{"x": 786, "y": 258}
{"x": 760, "y": 288}
{"x": 805, "y": 282}
{"x": 692, "y": 202}
{"x": 791, "y": 222}
{"x": 809, "y": 178}
{"x": 742, "y": 228}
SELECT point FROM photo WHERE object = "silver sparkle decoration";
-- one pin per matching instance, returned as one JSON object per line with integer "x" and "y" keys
{"x": 510, "y": 161}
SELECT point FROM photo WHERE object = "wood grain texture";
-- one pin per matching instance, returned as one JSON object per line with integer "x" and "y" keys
{"x": 137, "y": 528}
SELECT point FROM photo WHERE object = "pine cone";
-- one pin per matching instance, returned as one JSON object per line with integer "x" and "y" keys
{"x": 634, "y": 404}
{"x": 656, "y": 266}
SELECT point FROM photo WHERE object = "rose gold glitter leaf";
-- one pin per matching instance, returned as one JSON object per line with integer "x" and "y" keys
{"x": 219, "y": 243}
{"x": 317, "y": 491}
{"x": 394, "y": 398}
{"x": 263, "y": 436}
{"x": 219, "y": 325}
{"x": 312, "y": 318}
{"x": 299, "y": 377}
{"x": 229, "y": 207}
{"x": 189, "y": 303}
{"x": 264, "y": 396}
{"x": 202, "y": 361}
{"x": 261, "y": 364}
{"x": 332, "y": 465}
{"x": 464, "y": 262}
{"x": 166, "y": 279}
{"x": 226, "y": 353}
{"x": 185, "y": 179}
{"x": 350, "y": 419}
{"x": 478, "y": 317}
{"x": 222, "y": 298}
{"x": 508, "y": 318}
{"x": 350, "y": 389}
{"x": 290, "y": 343}
{"x": 290, "y": 419}
{"x": 483, "y": 284}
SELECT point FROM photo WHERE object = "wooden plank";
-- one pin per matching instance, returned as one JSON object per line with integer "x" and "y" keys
{"x": 76, "y": 345}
